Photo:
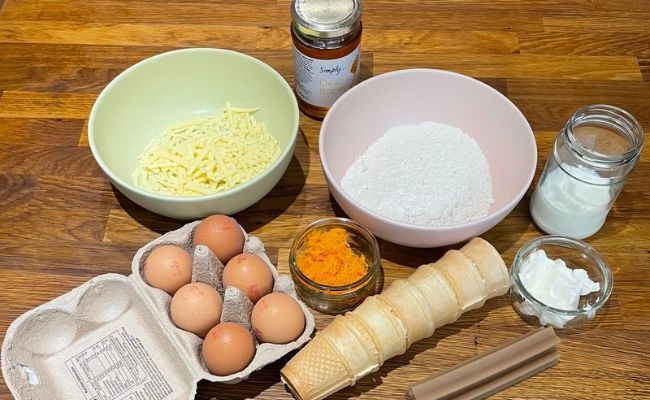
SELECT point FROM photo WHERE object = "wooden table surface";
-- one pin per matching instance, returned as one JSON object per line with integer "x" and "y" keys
{"x": 61, "y": 222}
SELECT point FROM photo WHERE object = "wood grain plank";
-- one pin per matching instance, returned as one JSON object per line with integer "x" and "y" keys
{"x": 545, "y": 110}
{"x": 586, "y": 43}
{"x": 122, "y": 228}
{"x": 462, "y": 5}
{"x": 21, "y": 131}
{"x": 76, "y": 55}
{"x": 451, "y": 17}
{"x": 40, "y": 105}
{"x": 71, "y": 256}
{"x": 134, "y": 34}
{"x": 412, "y": 40}
{"x": 635, "y": 6}
{"x": 620, "y": 21}
{"x": 25, "y": 223}
{"x": 523, "y": 66}
{"x": 444, "y": 42}
{"x": 71, "y": 162}
{"x": 644, "y": 65}
{"x": 212, "y": 13}
{"x": 33, "y": 78}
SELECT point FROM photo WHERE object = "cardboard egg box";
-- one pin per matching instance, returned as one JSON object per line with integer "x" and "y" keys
{"x": 112, "y": 337}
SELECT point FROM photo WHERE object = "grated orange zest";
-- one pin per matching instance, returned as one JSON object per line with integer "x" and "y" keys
{"x": 328, "y": 259}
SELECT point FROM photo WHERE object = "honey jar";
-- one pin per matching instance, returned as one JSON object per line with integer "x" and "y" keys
{"x": 326, "y": 47}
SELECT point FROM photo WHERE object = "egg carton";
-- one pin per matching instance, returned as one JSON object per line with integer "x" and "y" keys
{"x": 112, "y": 337}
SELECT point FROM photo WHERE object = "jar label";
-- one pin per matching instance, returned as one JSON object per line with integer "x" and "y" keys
{"x": 321, "y": 82}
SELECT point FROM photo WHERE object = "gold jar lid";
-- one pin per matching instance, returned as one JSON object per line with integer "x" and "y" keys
{"x": 326, "y": 18}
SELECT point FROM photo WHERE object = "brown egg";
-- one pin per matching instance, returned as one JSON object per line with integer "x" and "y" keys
{"x": 196, "y": 307}
{"x": 228, "y": 348}
{"x": 168, "y": 267}
{"x": 249, "y": 273}
{"x": 222, "y": 234}
{"x": 277, "y": 318}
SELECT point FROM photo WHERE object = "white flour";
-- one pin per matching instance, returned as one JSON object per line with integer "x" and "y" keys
{"x": 426, "y": 174}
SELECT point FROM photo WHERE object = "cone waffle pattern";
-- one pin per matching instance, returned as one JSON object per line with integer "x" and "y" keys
{"x": 385, "y": 325}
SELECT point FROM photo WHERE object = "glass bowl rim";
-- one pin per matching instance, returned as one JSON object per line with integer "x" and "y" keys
{"x": 569, "y": 243}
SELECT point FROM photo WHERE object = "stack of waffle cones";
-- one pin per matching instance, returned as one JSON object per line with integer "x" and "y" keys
{"x": 385, "y": 325}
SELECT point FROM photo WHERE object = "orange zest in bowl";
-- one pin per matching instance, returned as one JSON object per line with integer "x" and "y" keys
{"x": 328, "y": 259}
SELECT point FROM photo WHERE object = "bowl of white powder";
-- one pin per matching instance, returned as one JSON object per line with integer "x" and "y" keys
{"x": 426, "y": 158}
{"x": 559, "y": 281}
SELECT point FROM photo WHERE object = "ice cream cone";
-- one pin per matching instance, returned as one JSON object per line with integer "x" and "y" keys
{"x": 385, "y": 325}
{"x": 385, "y": 328}
{"x": 489, "y": 264}
{"x": 343, "y": 352}
{"x": 318, "y": 372}
{"x": 438, "y": 294}
{"x": 411, "y": 307}
{"x": 463, "y": 277}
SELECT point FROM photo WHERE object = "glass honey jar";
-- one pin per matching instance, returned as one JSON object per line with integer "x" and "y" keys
{"x": 326, "y": 47}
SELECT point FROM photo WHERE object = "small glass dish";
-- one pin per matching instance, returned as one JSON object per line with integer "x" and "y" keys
{"x": 330, "y": 299}
{"x": 576, "y": 254}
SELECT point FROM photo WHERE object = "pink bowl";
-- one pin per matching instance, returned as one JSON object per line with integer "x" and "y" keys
{"x": 362, "y": 115}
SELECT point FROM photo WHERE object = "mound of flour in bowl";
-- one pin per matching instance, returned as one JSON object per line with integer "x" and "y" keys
{"x": 429, "y": 174}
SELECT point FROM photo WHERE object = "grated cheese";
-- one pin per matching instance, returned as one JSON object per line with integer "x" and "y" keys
{"x": 207, "y": 155}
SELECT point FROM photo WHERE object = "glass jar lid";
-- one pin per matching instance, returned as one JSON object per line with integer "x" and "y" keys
{"x": 326, "y": 18}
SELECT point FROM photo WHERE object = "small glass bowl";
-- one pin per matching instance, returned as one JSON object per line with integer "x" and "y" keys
{"x": 337, "y": 299}
{"x": 577, "y": 255}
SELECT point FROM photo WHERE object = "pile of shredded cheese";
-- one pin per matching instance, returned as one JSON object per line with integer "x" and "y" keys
{"x": 207, "y": 155}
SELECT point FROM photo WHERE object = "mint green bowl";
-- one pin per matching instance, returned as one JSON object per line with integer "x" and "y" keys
{"x": 177, "y": 86}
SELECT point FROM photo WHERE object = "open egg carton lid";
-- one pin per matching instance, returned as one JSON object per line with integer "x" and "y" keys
{"x": 112, "y": 337}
